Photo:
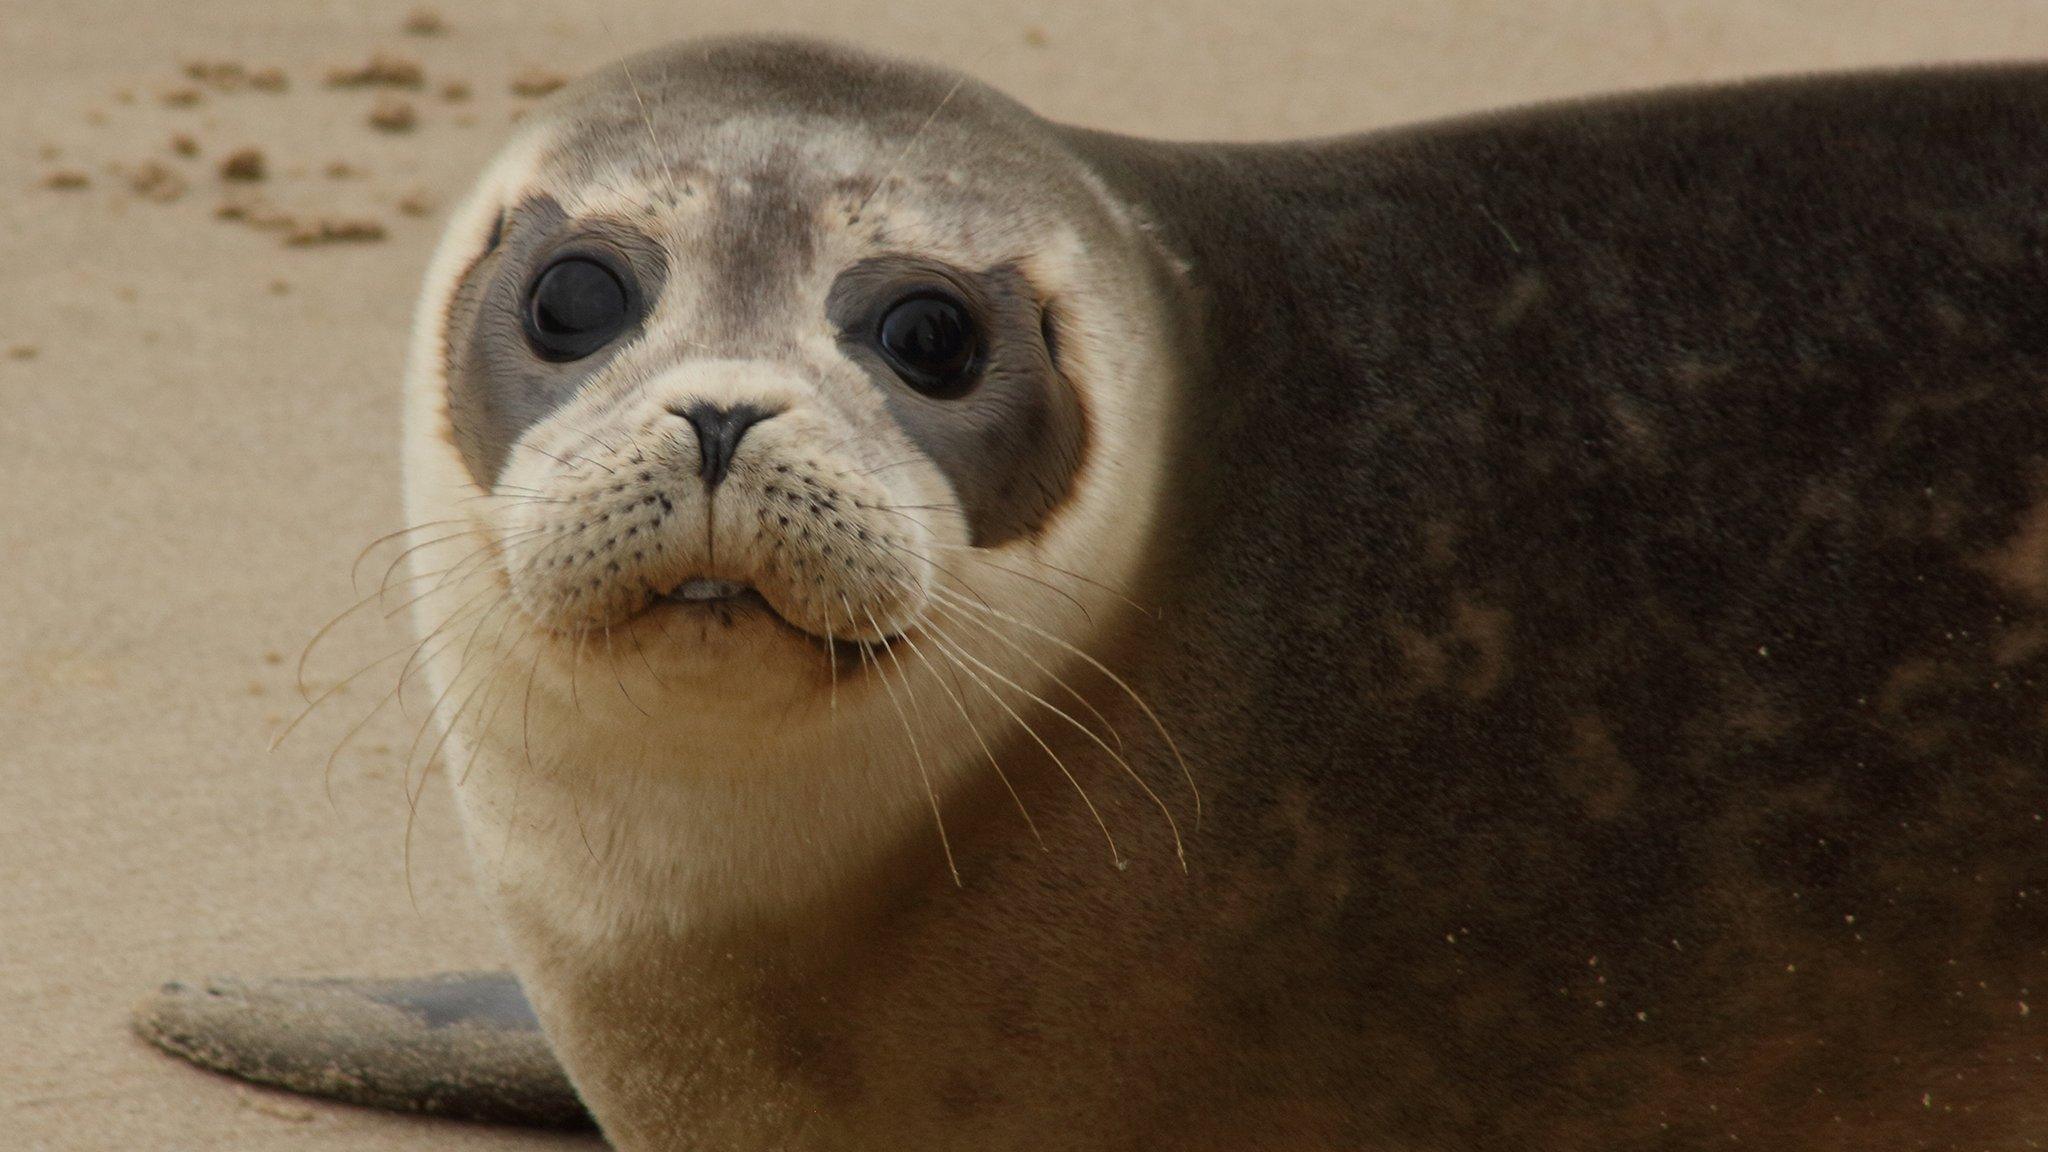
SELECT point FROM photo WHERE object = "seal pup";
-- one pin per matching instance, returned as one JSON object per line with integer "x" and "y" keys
{"x": 1593, "y": 561}
{"x": 770, "y": 398}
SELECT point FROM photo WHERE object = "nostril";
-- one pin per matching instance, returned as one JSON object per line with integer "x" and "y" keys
{"x": 718, "y": 434}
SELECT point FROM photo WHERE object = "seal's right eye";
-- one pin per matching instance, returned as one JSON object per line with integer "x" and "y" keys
{"x": 576, "y": 306}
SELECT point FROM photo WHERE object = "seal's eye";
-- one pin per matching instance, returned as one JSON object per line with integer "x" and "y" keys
{"x": 576, "y": 307}
{"x": 930, "y": 342}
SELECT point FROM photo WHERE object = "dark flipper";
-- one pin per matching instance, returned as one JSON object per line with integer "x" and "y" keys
{"x": 463, "y": 1044}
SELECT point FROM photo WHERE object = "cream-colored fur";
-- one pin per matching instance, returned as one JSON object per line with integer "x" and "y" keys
{"x": 640, "y": 792}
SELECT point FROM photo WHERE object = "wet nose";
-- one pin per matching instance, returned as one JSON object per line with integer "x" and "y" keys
{"x": 718, "y": 434}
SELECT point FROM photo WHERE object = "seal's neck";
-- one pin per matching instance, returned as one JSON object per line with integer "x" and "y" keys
{"x": 665, "y": 836}
{"x": 668, "y": 911}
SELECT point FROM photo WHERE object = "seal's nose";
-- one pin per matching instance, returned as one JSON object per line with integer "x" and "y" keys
{"x": 718, "y": 434}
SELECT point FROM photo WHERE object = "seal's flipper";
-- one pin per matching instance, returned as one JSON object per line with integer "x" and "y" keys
{"x": 462, "y": 1044}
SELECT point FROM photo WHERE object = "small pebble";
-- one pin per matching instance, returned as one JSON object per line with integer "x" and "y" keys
{"x": 23, "y": 352}
{"x": 269, "y": 80}
{"x": 244, "y": 166}
{"x": 334, "y": 232}
{"x": 415, "y": 203}
{"x": 180, "y": 97}
{"x": 392, "y": 115}
{"x": 184, "y": 145}
{"x": 537, "y": 82}
{"x": 280, "y": 288}
{"x": 380, "y": 72}
{"x": 455, "y": 91}
{"x": 1036, "y": 37}
{"x": 67, "y": 180}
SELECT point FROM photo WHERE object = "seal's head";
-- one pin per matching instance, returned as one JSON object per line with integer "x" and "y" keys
{"x": 762, "y": 368}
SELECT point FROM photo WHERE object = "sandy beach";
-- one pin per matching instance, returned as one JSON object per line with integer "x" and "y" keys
{"x": 214, "y": 217}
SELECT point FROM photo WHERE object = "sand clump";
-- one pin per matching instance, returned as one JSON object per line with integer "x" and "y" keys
{"x": 220, "y": 75}
{"x": 394, "y": 115}
{"x": 241, "y": 168}
{"x": 298, "y": 231}
{"x": 256, "y": 212}
{"x": 229, "y": 76}
{"x": 535, "y": 82}
{"x": 154, "y": 181}
{"x": 244, "y": 165}
{"x": 334, "y": 230}
{"x": 380, "y": 71}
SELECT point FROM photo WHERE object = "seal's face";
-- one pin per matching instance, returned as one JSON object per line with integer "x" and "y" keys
{"x": 749, "y": 383}
{"x": 734, "y": 491}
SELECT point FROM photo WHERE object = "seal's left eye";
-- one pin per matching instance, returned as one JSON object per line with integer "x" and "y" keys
{"x": 930, "y": 341}
{"x": 576, "y": 307}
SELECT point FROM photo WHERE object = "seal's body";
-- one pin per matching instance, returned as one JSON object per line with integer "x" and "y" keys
{"x": 1628, "y": 530}
{"x": 1593, "y": 563}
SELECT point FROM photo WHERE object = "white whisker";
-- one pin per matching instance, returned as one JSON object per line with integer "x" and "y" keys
{"x": 1157, "y": 724}
{"x": 1115, "y": 855}
{"x": 917, "y": 754}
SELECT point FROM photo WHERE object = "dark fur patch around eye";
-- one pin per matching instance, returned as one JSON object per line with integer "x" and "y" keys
{"x": 1012, "y": 444}
{"x": 497, "y": 386}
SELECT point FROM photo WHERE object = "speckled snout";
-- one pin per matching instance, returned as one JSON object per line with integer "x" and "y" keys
{"x": 725, "y": 477}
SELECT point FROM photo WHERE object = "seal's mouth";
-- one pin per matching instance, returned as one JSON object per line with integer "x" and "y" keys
{"x": 727, "y": 597}
{"x": 724, "y": 599}
{"x": 703, "y": 590}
